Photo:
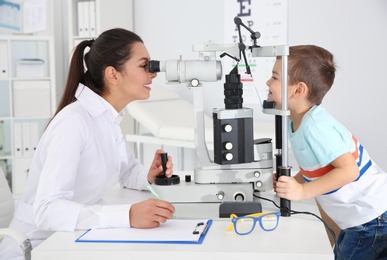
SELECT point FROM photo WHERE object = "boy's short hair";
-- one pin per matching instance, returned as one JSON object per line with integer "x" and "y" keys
{"x": 314, "y": 66}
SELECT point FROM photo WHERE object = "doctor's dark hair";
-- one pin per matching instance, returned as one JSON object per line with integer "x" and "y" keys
{"x": 112, "y": 48}
{"x": 313, "y": 65}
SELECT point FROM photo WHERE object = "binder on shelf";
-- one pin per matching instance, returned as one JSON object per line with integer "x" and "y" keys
{"x": 4, "y": 59}
{"x": 92, "y": 19}
{"x": 174, "y": 231}
{"x": 83, "y": 18}
{"x": 34, "y": 136}
{"x": 26, "y": 140}
{"x": 17, "y": 139}
{"x": 81, "y": 23}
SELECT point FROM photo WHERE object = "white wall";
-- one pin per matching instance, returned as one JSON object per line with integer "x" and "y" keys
{"x": 355, "y": 31}
{"x": 172, "y": 32}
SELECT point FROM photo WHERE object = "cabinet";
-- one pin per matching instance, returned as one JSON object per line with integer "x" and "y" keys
{"x": 89, "y": 18}
{"x": 27, "y": 101}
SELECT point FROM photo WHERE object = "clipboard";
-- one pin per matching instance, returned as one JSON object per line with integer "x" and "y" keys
{"x": 174, "y": 231}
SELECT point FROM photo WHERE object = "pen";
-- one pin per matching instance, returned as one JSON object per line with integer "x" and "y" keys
{"x": 153, "y": 191}
{"x": 157, "y": 196}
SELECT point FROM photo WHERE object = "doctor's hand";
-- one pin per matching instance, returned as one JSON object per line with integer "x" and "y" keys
{"x": 150, "y": 213}
{"x": 156, "y": 167}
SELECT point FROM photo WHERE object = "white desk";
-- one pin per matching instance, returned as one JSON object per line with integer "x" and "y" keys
{"x": 296, "y": 237}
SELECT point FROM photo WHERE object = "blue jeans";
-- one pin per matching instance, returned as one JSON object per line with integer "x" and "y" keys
{"x": 363, "y": 242}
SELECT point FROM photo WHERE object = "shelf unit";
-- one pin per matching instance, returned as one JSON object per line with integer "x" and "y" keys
{"x": 27, "y": 101}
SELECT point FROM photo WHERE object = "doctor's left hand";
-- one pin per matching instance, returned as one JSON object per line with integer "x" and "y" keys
{"x": 156, "y": 167}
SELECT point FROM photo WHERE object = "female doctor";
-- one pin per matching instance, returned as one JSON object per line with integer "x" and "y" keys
{"x": 82, "y": 152}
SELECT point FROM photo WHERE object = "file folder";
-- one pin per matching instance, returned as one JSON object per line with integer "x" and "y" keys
{"x": 34, "y": 136}
{"x": 81, "y": 19}
{"x": 3, "y": 60}
{"x": 85, "y": 17}
{"x": 26, "y": 140}
{"x": 92, "y": 19}
{"x": 17, "y": 139}
{"x": 174, "y": 231}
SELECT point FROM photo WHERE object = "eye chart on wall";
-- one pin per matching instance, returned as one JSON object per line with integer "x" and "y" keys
{"x": 270, "y": 19}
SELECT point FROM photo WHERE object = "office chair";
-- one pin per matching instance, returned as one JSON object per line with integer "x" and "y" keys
{"x": 7, "y": 205}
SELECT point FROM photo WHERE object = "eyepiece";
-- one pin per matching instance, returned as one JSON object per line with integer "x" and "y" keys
{"x": 180, "y": 71}
{"x": 154, "y": 66}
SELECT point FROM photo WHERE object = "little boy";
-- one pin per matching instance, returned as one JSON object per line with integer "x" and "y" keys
{"x": 334, "y": 167}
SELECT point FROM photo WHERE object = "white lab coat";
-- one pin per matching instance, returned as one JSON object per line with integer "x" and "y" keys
{"x": 80, "y": 156}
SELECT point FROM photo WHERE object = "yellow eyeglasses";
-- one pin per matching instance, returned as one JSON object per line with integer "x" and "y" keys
{"x": 244, "y": 225}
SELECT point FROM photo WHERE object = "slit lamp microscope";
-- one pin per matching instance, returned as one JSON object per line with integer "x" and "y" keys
{"x": 241, "y": 165}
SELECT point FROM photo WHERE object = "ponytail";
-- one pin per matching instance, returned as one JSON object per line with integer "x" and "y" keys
{"x": 75, "y": 76}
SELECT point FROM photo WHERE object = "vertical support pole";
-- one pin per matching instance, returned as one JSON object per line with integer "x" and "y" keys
{"x": 284, "y": 109}
{"x": 284, "y": 169}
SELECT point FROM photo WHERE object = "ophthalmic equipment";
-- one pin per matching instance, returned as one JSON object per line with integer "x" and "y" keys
{"x": 241, "y": 165}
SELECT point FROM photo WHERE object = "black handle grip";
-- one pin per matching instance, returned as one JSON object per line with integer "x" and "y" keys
{"x": 284, "y": 203}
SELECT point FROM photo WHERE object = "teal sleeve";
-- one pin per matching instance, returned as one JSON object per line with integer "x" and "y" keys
{"x": 328, "y": 142}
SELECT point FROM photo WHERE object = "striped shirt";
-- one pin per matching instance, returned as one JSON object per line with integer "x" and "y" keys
{"x": 321, "y": 139}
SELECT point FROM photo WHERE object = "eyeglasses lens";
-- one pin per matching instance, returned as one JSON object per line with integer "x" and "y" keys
{"x": 245, "y": 225}
{"x": 269, "y": 222}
